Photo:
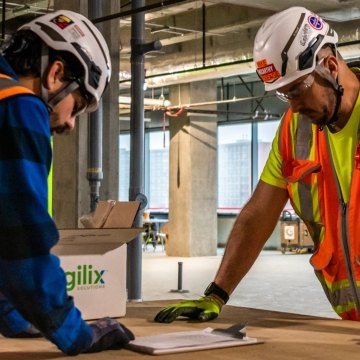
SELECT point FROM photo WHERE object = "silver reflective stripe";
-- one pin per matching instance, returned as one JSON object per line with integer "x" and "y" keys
{"x": 303, "y": 138}
{"x": 306, "y": 201}
{"x": 340, "y": 297}
{"x": 7, "y": 83}
{"x": 281, "y": 132}
{"x": 303, "y": 143}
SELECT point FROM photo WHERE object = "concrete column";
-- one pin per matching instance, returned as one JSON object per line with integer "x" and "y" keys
{"x": 70, "y": 157}
{"x": 111, "y": 127}
{"x": 193, "y": 174}
{"x": 71, "y": 197}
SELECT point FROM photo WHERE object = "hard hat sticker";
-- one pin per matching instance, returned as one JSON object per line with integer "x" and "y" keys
{"x": 76, "y": 32}
{"x": 62, "y": 21}
{"x": 268, "y": 73}
{"x": 315, "y": 22}
{"x": 304, "y": 35}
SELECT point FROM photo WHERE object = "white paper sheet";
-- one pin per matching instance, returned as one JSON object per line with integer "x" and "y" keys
{"x": 186, "y": 341}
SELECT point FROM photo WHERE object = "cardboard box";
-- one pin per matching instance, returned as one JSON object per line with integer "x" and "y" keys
{"x": 94, "y": 259}
{"x": 305, "y": 238}
{"x": 289, "y": 233}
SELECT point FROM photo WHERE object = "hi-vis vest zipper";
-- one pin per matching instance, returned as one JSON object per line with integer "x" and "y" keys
{"x": 316, "y": 197}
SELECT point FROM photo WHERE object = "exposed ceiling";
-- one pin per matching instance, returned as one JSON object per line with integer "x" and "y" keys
{"x": 202, "y": 34}
{"x": 18, "y": 12}
{"x": 214, "y": 39}
{"x": 203, "y": 39}
{"x": 205, "y": 34}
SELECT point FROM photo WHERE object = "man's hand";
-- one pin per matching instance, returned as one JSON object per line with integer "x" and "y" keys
{"x": 204, "y": 309}
{"x": 108, "y": 334}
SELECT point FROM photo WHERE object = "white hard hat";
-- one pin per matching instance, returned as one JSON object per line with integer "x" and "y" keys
{"x": 286, "y": 46}
{"x": 65, "y": 30}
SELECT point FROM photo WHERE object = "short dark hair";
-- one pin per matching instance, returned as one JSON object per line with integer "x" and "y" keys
{"x": 23, "y": 52}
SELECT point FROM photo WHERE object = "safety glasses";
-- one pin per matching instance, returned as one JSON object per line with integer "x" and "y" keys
{"x": 298, "y": 90}
{"x": 80, "y": 104}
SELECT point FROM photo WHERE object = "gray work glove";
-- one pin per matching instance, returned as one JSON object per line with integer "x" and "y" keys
{"x": 108, "y": 334}
{"x": 204, "y": 309}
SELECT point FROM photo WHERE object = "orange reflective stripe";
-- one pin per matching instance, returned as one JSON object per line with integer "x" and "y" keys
{"x": 10, "y": 87}
{"x": 15, "y": 90}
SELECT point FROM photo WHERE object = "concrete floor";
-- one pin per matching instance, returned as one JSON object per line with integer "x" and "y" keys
{"x": 276, "y": 282}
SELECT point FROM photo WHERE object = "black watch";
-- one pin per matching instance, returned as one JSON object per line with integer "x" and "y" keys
{"x": 218, "y": 291}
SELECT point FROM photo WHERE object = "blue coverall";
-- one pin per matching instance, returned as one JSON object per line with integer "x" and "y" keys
{"x": 32, "y": 283}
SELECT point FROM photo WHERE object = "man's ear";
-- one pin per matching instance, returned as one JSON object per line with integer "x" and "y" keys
{"x": 333, "y": 65}
{"x": 55, "y": 75}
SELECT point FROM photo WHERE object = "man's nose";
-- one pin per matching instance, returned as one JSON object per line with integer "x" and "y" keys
{"x": 70, "y": 124}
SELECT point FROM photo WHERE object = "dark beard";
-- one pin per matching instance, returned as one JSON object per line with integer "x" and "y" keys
{"x": 58, "y": 129}
{"x": 329, "y": 121}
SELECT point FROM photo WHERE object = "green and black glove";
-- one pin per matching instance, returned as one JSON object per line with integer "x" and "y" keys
{"x": 204, "y": 309}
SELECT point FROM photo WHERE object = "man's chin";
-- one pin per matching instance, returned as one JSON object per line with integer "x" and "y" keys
{"x": 58, "y": 130}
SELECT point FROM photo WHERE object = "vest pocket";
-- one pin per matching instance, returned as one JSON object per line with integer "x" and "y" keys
{"x": 300, "y": 170}
{"x": 324, "y": 262}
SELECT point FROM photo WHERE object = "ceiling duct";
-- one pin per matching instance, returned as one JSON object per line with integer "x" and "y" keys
{"x": 349, "y": 51}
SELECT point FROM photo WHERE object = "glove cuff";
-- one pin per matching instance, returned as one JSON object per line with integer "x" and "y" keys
{"x": 214, "y": 289}
{"x": 218, "y": 301}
